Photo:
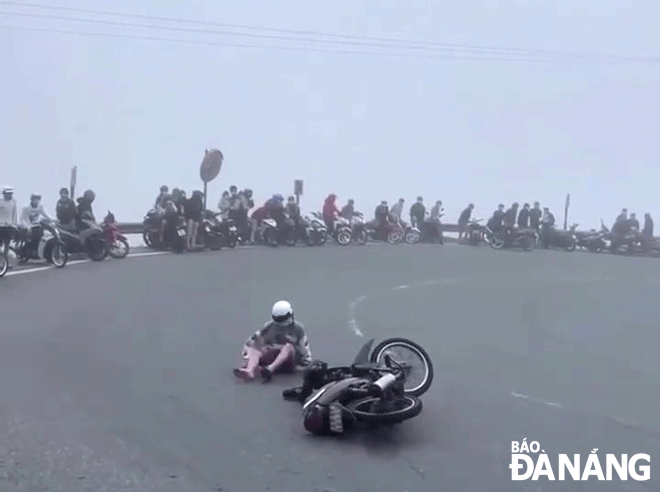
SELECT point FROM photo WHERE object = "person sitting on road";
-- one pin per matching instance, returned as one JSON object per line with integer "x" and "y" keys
{"x": 348, "y": 210}
{"x": 418, "y": 212}
{"x": 463, "y": 221}
{"x": 330, "y": 212}
{"x": 159, "y": 200}
{"x": 31, "y": 217}
{"x": 523, "y": 217}
{"x": 66, "y": 210}
{"x": 396, "y": 211}
{"x": 280, "y": 345}
{"x": 495, "y": 222}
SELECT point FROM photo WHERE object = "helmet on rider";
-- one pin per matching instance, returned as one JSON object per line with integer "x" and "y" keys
{"x": 7, "y": 191}
{"x": 282, "y": 312}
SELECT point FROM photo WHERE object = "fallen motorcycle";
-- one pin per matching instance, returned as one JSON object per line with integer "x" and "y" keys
{"x": 378, "y": 388}
{"x": 594, "y": 241}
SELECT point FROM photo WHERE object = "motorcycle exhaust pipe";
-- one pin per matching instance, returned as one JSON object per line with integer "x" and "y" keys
{"x": 381, "y": 384}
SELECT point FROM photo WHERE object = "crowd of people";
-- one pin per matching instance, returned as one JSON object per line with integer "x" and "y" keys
{"x": 67, "y": 212}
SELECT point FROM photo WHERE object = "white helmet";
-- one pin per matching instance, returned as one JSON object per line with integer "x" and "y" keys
{"x": 7, "y": 189}
{"x": 282, "y": 311}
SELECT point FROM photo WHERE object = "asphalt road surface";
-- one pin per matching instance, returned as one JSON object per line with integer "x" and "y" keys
{"x": 116, "y": 376}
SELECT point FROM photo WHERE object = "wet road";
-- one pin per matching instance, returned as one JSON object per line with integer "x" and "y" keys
{"x": 118, "y": 376}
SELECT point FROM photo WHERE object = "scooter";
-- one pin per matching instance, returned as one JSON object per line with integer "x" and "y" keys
{"x": 117, "y": 243}
{"x": 87, "y": 238}
{"x": 51, "y": 248}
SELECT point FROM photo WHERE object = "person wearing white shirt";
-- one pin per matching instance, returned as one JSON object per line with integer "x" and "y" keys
{"x": 397, "y": 210}
{"x": 8, "y": 216}
{"x": 31, "y": 216}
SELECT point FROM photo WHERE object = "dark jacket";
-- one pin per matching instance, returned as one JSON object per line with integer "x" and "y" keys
{"x": 523, "y": 218}
{"x": 418, "y": 212}
{"x": 648, "y": 227}
{"x": 66, "y": 210}
{"x": 510, "y": 217}
{"x": 465, "y": 216}
{"x": 535, "y": 215}
{"x": 495, "y": 221}
{"x": 382, "y": 213}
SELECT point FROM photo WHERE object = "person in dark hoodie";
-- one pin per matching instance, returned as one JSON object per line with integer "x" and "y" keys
{"x": 418, "y": 212}
{"x": 66, "y": 210}
{"x": 509, "y": 221}
{"x": 85, "y": 211}
{"x": 648, "y": 226}
{"x": 495, "y": 222}
{"x": 463, "y": 221}
{"x": 535, "y": 216}
{"x": 523, "y": 217}
{"x": 348, "y": 210}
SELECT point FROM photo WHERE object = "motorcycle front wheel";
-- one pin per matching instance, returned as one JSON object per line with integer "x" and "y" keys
{"x": 119, "y": 249}
{"x": 344, "y": 238}
{"x": 412, "y": 237}
{"x": 419, "y": 368}
{"x": 395, "y": 237}
{"x": 497, "y": 241}
{"x": 374, "y": 411}
{"x": 58, "y": 255}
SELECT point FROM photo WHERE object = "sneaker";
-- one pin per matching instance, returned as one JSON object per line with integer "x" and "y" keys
{"x": 243, "y": 374}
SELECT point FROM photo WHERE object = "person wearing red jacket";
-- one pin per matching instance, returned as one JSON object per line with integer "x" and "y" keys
{"x": 330, "y": 211}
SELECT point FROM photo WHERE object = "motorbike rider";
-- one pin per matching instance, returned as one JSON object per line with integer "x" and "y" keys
{"x": 293, "y": 213}
{"x": 234, "y": 203}
{"x": 276, "y": 210}
{"x": 159, "y": 200}
{"x": 463, "y": 221}
{"x": 418, "y": 212}
{"x": 85, "y": 211}
{"x": 623, "y": 216}
{"x": 66, "y": 210}
{"x": 509, "y": 221}
{"x": 330, "y": 212}
{"x": 436, "y": 215}
{"x": 495, "y": 222}
{"x": 547, "y": 225}
{"x": 31, "y": 216}
{"x": 524, "y": 216}
{"x": 396, "y": 211}
{"x": 8, "y": 216}
{"x": 633, "y": 223}
{"x": 246, "y": 203}
{"x": 348, "y": 210}
{"x": 648, "y": 226}
{"x": 535, "y": 216}
{"x": 382, "y": 218}
{"x": 280, "y": 345}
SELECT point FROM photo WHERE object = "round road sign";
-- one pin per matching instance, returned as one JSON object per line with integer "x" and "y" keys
{"x": 211, "y": 165}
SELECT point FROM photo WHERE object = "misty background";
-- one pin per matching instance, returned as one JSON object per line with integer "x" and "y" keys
{"x": 461, "y": 125}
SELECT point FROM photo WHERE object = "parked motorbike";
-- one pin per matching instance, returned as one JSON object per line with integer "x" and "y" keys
{"x": 411, "y": 233}
{"x": 475, "y": 232}
{"x": 317, "y": 232}
{"x": 430, "y": 232}
{"x": 378, "y": 388}
{"x": 117, "y": 243}
{"x": 593, "y": 241}
{"x": 393, "y": 234}
{"x": 7, "y": 233}
{"x": 557, "y": 238}
{"x": 358, "y": 229}
{"x": 522, "y": 238}
{"x": 52, "y": 247}
{"x": 151, "y": 229}
{"x": 342, "y": 232}
{"x": 271, "y": 235}
{"x": 87, "y": 237}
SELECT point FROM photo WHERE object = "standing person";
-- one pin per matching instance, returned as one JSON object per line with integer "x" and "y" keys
{"x": 524, "y": 216}
{"x": 8, "y": 216}
{"x": 648, "y": 226}
{"x": 633, "y": 223}
{"x": 396, "y": 211}
{"x": 224, "y": 205}
{"x": 246, "y": 204}
{"x": 193, "y": 212}
{"x": 509, "y": 221}
{"x": 463, "y": 221}
{"x": 548, "y": 222}
{"x": 31, "y": 216}
{"x": 535, "y": 216}
{"x": 418, "y": 212}
{"x": 436, "y": 215}
{"x": 66, "y": 210}
{"x": 495, "y": 222}
{"x": 330, "y": 211}
{"x": 234, "y": 203}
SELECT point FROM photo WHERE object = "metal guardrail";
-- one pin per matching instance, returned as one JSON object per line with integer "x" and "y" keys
{"x": 137, "y": 227}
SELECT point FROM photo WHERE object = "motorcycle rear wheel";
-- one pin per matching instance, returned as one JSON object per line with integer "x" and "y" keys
{"x": 4, "y": 264}
{"x": 497, "y": 241}
{"x": 344, "y": 238}
{"x": 395, "y": 237}
{"x": 365, "y": 410}
{"x": 97, "y": 248}
{"x": 412, "y": 237}
{"x": 58, "y": 256}
{"x": 119, "y": 249}
{"x": 378, "y": 353}
{"x": 527, "y": 243}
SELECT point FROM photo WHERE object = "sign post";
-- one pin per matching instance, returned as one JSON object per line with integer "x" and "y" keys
{"x": 73, "y": 182}
{"x": 210, "y": 168}
{"x": 298, "y": 189}
{"x": 568, "y": 204}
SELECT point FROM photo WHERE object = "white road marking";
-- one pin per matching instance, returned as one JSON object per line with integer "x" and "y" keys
{"x": 536, "y": 400}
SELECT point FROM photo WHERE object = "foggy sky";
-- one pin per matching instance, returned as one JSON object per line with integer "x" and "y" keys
{"x": 136, "y": 114}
